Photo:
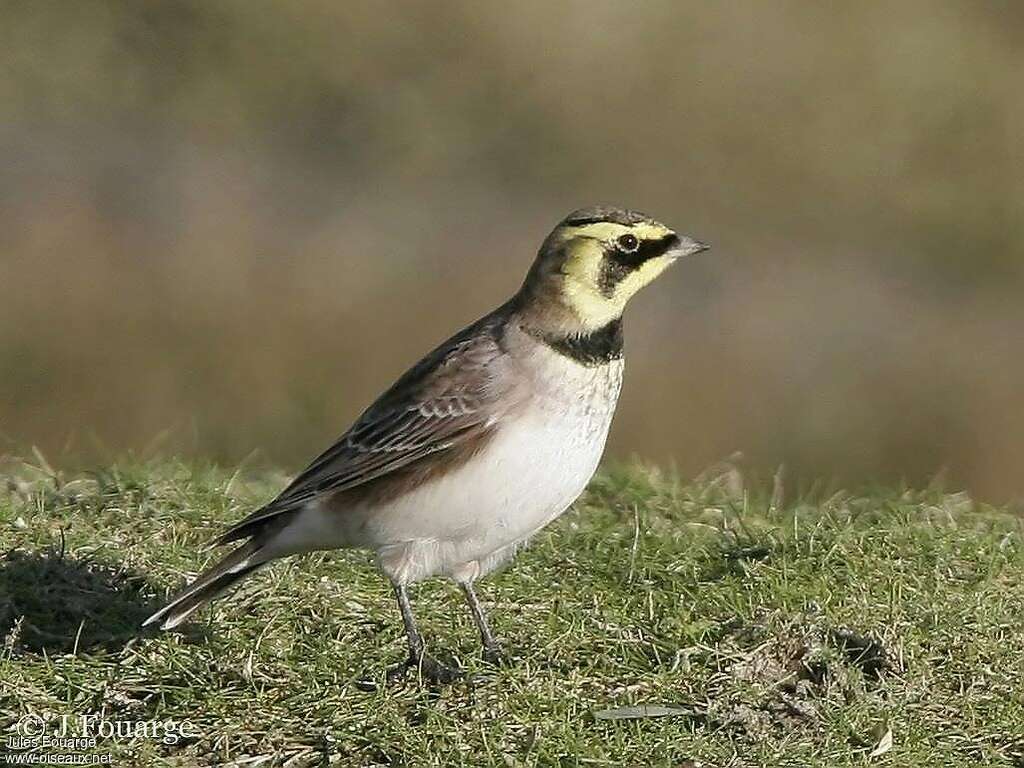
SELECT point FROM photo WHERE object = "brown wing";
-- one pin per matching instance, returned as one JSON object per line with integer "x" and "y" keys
{"x": 449, "y": 400}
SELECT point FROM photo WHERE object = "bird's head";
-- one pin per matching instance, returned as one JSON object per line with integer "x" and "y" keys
{"x": 596, "y": 259}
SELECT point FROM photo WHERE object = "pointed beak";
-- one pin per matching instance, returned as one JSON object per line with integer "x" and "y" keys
{"x": 686, "y": 246}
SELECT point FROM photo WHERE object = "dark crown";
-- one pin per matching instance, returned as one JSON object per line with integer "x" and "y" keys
{"x": 601, "y": 213}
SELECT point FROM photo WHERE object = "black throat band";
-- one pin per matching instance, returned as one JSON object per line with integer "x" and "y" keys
{"x": 594, "y": 348}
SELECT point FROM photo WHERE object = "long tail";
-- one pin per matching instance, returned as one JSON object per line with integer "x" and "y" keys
{"x": 212, "y": 582}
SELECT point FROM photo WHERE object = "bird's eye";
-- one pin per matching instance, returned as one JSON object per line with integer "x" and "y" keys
{"x": 629, "y": 243}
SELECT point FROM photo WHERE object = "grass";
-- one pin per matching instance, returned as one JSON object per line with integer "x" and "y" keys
{"x": 656, "y": 624}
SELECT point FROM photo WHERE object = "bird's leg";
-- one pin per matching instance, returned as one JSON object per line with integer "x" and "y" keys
{"x": 411, "y": 632}
{"x": 430, "y": 668}
{"x": 492, "y": 651}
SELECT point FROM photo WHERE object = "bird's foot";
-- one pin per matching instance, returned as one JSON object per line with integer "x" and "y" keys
{"x": 492, "y": 654}
{"x": 437, "y": 671}
{"x": 428, "y": 668}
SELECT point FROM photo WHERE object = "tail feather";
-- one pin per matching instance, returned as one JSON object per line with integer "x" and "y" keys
{"x": 215, "y": 580}
{"x": 258, "y": 523}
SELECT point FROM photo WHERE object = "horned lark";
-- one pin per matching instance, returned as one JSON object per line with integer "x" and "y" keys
{"x": 482, "y": 443}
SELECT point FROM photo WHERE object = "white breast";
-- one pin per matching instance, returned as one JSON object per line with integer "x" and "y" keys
{"x": 464, "y": 523}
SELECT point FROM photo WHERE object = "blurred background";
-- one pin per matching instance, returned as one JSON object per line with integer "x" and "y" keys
{"x": 226, "y": 226}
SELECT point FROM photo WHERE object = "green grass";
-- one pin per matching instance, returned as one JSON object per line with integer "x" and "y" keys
{"x": 795, "y": 634}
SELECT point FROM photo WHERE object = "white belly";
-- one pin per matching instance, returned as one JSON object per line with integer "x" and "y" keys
{"x": 528, "y": 475}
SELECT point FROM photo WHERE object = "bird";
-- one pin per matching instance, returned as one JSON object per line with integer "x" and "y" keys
{"x": 477, "y": 447}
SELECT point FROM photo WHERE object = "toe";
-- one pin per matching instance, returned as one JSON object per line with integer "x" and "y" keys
{"x": 438, "y": 672}
{"x": 494, "y": 655}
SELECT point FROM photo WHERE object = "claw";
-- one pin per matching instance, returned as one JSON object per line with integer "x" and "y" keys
{"x": 429, "y": 669}
{"x": 493, "y": 655}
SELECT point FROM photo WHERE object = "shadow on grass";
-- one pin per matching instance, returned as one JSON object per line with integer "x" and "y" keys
{"x": 57, "y": 604}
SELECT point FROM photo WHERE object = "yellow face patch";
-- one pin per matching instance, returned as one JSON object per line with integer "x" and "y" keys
{"x": 587, "y": 248}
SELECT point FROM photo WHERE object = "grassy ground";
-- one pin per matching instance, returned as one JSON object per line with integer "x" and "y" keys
{"x": 657, "y": 624}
